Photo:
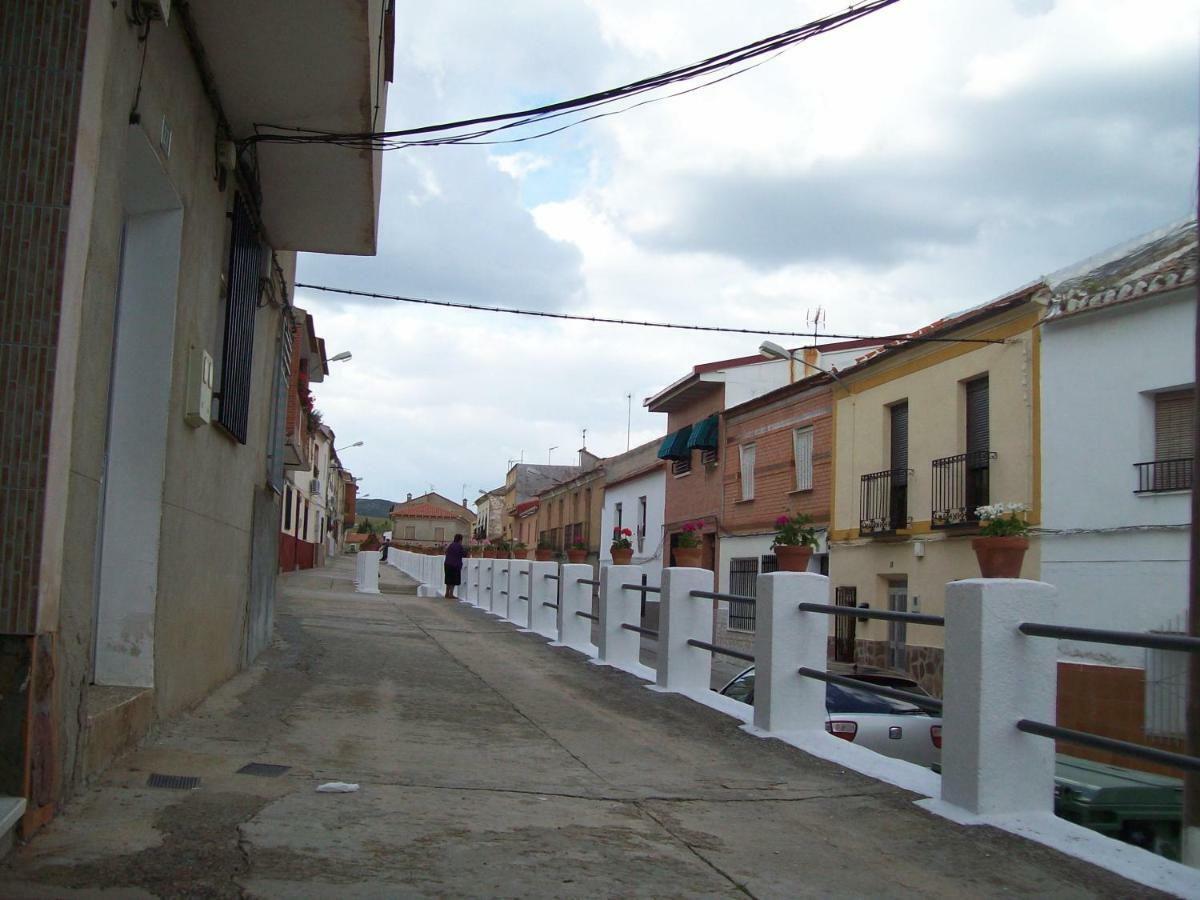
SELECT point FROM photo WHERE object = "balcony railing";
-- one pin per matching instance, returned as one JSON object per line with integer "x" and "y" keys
{"x": 1164, "y": 475}
{"x": 960, "y": 486}
{"x": 883, "y": 502}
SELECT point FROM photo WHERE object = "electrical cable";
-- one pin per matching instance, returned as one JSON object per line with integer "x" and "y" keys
{"x": 611, "y": 321}
{"x": 144, "y": 40}
{"x": 433, "y": 135}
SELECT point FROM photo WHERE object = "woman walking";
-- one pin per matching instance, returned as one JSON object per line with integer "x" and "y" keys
{"x": 454, "y": 562}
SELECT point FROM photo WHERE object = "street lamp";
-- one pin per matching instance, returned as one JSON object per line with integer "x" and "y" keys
{"x": 341, "y": 357}
{"x": 772, "y": 350}
{"x": 549, "y": 452}
{"x": 348, "y": 446}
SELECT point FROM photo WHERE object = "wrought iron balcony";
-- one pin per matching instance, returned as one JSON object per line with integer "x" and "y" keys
{"x": 960, "y": 486}
{"x": 883, "y": 502}
{"x": 1164, "y": 475}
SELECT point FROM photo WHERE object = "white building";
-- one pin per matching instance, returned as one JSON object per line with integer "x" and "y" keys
{"x": 1117, "y": 386}
{"x": 635, "y": 488}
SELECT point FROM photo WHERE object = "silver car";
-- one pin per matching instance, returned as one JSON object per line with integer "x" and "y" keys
{"x": 892, "y": 727}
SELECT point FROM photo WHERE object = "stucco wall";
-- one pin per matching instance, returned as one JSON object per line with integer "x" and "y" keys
{"x": 652, "y": 486}
{"x": 1099, "y": 372}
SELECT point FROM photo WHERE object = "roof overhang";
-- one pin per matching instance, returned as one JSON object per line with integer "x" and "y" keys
{"x": 313, "y": 65}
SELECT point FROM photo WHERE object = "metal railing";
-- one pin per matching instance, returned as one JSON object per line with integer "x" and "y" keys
{"x": 883, "y": 502}
{"x": 587, "y": 615}
{"x": 885, "y": 615}
{"x": 724, "y": 651}
{"x": 549, "y": 604}
{"x": 643, "y": 588}
{"x": 960, "y": 485}
{"x": 648, "y": 632}
{"x": 1164, "y": 475}
{"x": 550, "y": 576}
{"x": 1177, "y": 642}
{"x": 592, "y": 581}
{"x": 717, "y": 595}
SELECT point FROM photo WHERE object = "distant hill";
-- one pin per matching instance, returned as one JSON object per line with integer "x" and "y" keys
{"x": 373, "y": 507}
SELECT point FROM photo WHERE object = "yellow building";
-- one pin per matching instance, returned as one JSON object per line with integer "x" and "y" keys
{"x": 925, "y": 432}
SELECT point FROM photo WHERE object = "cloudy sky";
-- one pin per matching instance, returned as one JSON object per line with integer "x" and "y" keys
{"x": 929, "y": 157}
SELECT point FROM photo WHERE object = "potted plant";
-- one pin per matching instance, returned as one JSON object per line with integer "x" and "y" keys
{"x": 795, "y": 541}
{"x": 503, "y": 548}
{"x": 688, "y": 549}
{"x": 489, "y": 550}
{"x": 577, "y": 552}
{"x": 475, "y": 548}
{"x": 622, "y": 547}
{"x": 1002, "y": 542}
{"x": 519, "y": 550}
{"x": 544, "y": 551}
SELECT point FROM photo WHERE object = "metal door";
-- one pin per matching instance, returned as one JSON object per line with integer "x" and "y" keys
{"x": 897, "y": 650}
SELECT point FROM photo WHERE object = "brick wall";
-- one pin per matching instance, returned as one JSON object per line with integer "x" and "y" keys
{"x": 698, "y": 494}
{"x": 41, "y": 66}
{"x": 770, "y": 428}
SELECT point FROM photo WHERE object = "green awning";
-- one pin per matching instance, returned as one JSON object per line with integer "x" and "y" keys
{"x": 675, "y": 446}
{"x": 704, "y": 434}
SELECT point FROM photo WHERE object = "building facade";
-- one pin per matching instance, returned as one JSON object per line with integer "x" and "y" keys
{"x": 430, "y": 520}
{"x": 924, "y": 433}
{"x": 635, "y": 485}
{"x": 145, "y": 346}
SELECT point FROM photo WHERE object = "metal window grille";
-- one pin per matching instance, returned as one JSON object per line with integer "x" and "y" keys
{"x": 237, "y": 358}
{"x": 844, "y": 626}
{"x": 883, "y": 501}
{"x": 1166, "y": 690}
{"x": 708, "y": 457}
{"x": 743, "y": 579}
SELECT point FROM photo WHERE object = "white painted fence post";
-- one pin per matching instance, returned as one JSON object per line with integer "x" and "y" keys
{"x": 543, "y": 619}
{"x": 360, "y": 563}
{"x": 619, "y": 646}
{"x": 994, "y": 675}
{"x": 784, "y": 640}
{"x": 485, "y": 583}
{"x": 500, "y": 588}
{"x": 439, "y": 574}
{"x": 465, "y": 593}
{"x": 369, "y": 582}
{"x": 518, "y": 588}
{"x": 682, "y": 668}
{"x": 573, "y": 597}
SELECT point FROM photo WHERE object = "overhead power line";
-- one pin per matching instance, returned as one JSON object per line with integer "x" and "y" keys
{"x": 451, "y": 304}
{"x": 466, "y": 131}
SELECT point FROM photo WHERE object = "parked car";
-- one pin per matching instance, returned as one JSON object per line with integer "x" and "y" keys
{"x": 886, "y": 725}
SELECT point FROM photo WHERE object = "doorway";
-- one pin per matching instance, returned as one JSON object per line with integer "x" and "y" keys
{"x": 130, "y": 514}
{"x": 897, "y": 639}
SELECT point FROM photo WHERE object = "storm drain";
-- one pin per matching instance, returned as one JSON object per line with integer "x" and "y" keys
{"x": 174, "y": 782}
{"x": 263, "y": 770}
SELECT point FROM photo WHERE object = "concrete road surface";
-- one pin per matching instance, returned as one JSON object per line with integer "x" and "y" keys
{"x": 491, "y": 765}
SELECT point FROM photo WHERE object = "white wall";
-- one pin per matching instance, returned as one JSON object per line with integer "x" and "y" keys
{"x": 652, "y": 486}
{"x": 1099, "y": 370}
{"x": 747, "y": 382}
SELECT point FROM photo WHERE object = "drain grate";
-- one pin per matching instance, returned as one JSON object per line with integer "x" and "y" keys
{"x": 174, "y": 782}
{"x": 263, "y": 770}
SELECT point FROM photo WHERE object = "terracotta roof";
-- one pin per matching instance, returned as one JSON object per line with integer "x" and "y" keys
{"x": 422, "y": 511}
{"x": 529, "y": 506}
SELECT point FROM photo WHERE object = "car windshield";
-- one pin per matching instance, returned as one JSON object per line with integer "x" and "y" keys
{"x": 839, "y": 699}
{"x": 741, "y": 688}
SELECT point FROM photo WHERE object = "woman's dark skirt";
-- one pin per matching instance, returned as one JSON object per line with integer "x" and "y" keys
{"x": 453, "y": 575}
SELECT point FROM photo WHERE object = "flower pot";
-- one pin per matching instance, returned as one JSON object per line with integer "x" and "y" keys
{"x": 793, "y": 558}
{"x": 689, "y": 557}
{"x": 576, "y": 556}
{"x": 520, "y": 554}
{"x": 622, "y": 556}
{"x": 543, "y": 555}
{"x": 1000, "y": 557}
{"x": 489, "y": 554}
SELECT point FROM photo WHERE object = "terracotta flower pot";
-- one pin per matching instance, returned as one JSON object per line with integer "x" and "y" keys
{"x": 489, "y": 554}
{"x": 1000, "y": 557}
{"x": 689, "y": 557}
{"x": 793, "y": 558}
{"x": 543, "y": 555}
{"x": 576, "y": 556}
{"x": 622, "y": 556}
{"x": 520, "y": 554}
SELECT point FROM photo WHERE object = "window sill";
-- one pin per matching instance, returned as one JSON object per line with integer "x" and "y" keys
{"x": 1174, "y": 493}
{"x": 746, "y": 500}
{"x": 800, "y": 491}
{"x": 680, "y": 474}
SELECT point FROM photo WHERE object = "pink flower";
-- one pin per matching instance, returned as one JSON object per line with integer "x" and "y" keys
{"x": 781, "y": 521}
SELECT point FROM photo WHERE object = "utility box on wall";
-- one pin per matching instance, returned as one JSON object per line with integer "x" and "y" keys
{"x": 197, "y": 408}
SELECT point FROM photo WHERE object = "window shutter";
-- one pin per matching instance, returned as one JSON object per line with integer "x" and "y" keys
{"x": 1173, "y": 425}
{"x": 977, "y": 415}
{"x": 237, "y": 357}
{"x": 900, "y": 436}
{"x": 748, "y": 472}
{"x": 804, "y": 465}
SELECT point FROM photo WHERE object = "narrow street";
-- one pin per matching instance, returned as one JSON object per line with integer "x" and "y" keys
{"x": 492, "y": 765}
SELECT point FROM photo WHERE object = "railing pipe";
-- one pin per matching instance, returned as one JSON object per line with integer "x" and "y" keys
{"x": 922, "y": 700}
{"x": 648, "y": 632}
{"x": 885, "y": 615}
{"x": 1125, "y": 748}
{"x": 518, "y": 598}
{"x": 1150, "y": 641}
{"x": 640, "y": 588}
{"x": 718, "y": 595}
{"x": 722, "y": 651}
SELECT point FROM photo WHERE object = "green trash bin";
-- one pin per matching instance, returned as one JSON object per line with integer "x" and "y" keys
{"x": 1135, "y": 807}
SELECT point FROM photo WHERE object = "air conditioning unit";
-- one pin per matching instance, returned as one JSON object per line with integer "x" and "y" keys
{"x": 314, "y": 486}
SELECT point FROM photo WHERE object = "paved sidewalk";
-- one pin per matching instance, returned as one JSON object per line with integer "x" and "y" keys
{"x": 492, "y": 765}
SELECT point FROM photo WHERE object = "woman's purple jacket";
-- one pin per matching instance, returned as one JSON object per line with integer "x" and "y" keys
{"x": 454, "y": 554}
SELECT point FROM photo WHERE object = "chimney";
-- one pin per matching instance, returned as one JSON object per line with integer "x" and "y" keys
{"x": 409, "y": 497}
{"x": 465, "y": 503}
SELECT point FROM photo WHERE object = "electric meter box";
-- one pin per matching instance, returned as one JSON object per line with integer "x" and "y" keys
{"x": 197, "y": 409}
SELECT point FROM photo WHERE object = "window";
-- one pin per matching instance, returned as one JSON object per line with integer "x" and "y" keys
{"x": 681, "y": 466}
{"x": 1173, "y": 425}
{"x": 439, "y": 534}
{"x": 743, "y": 580}
{"x": 242, "y": 289}
{"x": 298, "y": 501}
{"x": 747, "y": 471}
{"x": 304, "y": 535}
{"x": 802, "y": 442}
{"x": 616, "y": 520}
{"x": 287, "y": 508}
{"x": 641, "y": 524}
{"x": 708, "y": 457}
